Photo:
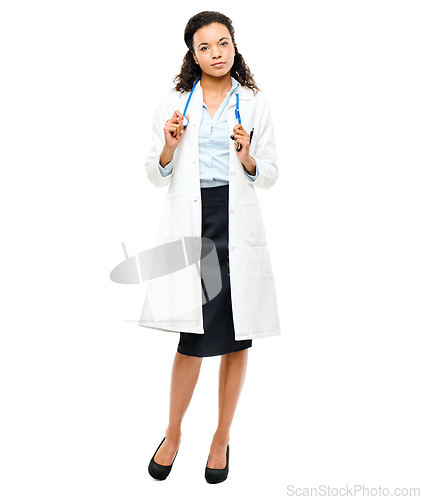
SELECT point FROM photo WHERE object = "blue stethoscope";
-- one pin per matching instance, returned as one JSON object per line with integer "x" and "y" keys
{"x": 186, "y": 120}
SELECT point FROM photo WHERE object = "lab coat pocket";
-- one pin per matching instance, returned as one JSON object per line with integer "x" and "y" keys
{"x": 174, "y": 216}
{"x": 252, "y": 223}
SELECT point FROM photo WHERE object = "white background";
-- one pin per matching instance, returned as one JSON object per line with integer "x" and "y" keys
{"x": 334, "y": 400}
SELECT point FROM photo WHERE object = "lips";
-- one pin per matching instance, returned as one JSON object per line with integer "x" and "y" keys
{"x": 218, "y": 64}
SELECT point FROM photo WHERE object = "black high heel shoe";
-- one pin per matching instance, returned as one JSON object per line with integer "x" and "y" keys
{"x": 214, "y": 476}
{"x": 158, "y": 471}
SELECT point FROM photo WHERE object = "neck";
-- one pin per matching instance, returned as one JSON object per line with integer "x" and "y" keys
{"x": 216, "y": 85}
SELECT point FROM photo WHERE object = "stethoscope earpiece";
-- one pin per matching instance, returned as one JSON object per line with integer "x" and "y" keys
{"x": 238, "y": 148}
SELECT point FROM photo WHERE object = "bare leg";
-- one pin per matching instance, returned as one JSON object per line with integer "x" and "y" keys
{"x": 185, "y": 373}
{"x": 232, "y": 372}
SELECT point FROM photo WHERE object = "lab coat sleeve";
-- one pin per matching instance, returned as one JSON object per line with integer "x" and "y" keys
{"x": 167, "y": 169}
{"x": 158, "y": 175}
{"x": 265, "y": 150}
{"x": 252, "y": 177}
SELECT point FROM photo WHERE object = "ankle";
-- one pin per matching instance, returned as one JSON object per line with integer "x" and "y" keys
{"x": 173, "y": 434}
{"x": 221, "y": 437}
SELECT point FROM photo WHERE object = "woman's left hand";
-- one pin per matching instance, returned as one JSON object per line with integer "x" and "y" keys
{"x": 243, "y": 138}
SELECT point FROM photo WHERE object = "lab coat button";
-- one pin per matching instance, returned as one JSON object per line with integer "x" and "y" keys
{"x": 232, "y": 210}
{"x": 232, "y": 172}
{"x": 232, "y": 247}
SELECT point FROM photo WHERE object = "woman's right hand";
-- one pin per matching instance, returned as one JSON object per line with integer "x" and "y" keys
{"x": 174, "y": 130}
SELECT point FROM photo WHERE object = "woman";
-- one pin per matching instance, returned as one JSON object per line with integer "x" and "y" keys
{"x": 206, "y": 150}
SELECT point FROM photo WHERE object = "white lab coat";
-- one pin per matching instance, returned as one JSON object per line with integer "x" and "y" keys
{"x": 174, "y": 302}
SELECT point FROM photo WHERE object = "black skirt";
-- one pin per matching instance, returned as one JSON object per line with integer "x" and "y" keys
{"x": 219, "y": 336}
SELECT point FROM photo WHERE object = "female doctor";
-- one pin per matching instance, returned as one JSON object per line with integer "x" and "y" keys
{"x": 215, "y": 70}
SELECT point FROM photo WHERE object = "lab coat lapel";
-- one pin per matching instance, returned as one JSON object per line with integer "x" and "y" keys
{"x": 196, "y": 106}
{"x": 244, "y": 95}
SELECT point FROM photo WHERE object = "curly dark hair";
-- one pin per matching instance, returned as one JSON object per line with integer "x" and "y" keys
{"x": 190, "y": 71}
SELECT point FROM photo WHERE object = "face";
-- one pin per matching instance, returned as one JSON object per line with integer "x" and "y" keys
{"x": 213, "y": 44}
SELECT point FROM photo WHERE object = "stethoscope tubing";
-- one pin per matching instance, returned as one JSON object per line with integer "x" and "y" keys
{"x": 186, "y": 120}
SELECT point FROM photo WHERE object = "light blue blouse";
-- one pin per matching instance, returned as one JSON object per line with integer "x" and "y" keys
{"x": 214, "y": 144}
